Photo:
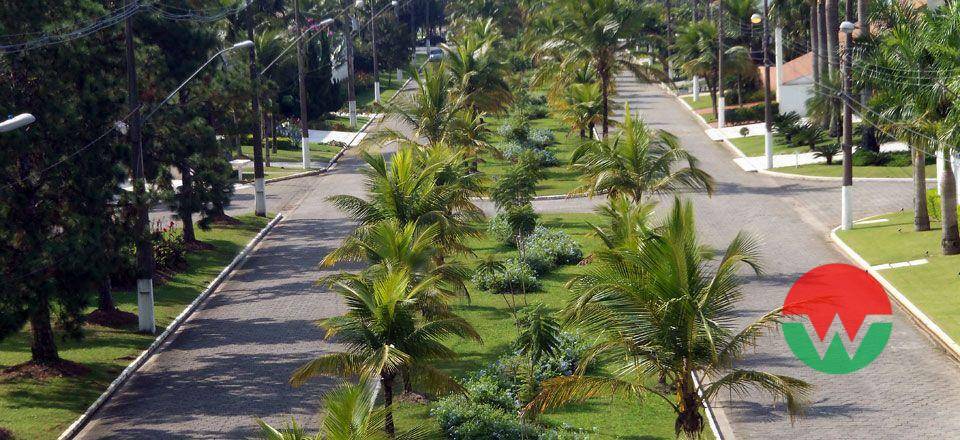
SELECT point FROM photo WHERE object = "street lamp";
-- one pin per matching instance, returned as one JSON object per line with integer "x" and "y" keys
{"x": 13, "y": 123}
{"x": 767, "y": 107}
{"x": 846, "y": 191}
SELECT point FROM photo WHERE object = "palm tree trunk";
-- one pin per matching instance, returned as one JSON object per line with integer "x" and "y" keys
{"x": 921, "y": 217}
{"x": 602, "y": 70}
{"x": 948, "y": 208}
{"x": 815, "y": 44}
{"x": 386, "y": 381}
{"x": 689, "y": 420}
{"x": 833, "y": 58}
{"x": 43, "y": 348}
{"x": 822, "y": 39}
{"x": 868, "y": 139}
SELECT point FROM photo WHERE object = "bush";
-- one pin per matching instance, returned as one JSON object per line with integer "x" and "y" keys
{"x": 898, "y": 159}
{"x": 515, "y": 277}
{"x": 169, "y": 248}
{"x": 787, "y": 124}
{"x": 826, "y": 151}
{"x": 514, "y": 151}
{"x": 863, "y": 157}
{"x": 753, "y": 113}
{"x": 545, "y": 249}
{"x": 933, "y": 205}
{"x": 461, "y": 418}
{"x": 541, "y": 138}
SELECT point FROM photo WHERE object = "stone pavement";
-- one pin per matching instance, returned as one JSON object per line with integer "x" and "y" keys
{"x": 911, "y": 391}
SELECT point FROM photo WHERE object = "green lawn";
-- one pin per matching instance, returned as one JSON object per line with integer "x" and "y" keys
{"x": 272, "y": 172}
{"x": 388, "y": 87}
{"x": 342, "y": 123}
{"x": 42, "y": 410}
{"x": 318, "y": 152}
{"x": 558, "y": 179}
{"x": 753, "y": 145}
{"x": 489, "y": 314}
{"x": 704, "y": 102}
{"x": 932, "y": 287}
{"x": 836, "y": 170}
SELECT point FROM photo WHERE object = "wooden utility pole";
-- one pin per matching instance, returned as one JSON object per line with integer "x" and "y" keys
{"x": 143, "y": 245}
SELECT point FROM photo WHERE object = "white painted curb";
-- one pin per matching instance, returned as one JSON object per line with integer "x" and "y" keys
{"x": 81, "y": 421}
{"x": 912, "y": 310}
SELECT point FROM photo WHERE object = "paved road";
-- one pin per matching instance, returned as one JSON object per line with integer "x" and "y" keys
{"x": 911, "y": 391}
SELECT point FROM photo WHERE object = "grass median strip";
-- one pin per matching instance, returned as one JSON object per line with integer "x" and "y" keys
{"x": 42, "y": 409}
{"x": 932, "y": 286}
{"x": 490, "y": 315}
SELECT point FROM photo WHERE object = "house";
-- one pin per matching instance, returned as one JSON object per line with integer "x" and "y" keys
{"x": 796, "y": 86}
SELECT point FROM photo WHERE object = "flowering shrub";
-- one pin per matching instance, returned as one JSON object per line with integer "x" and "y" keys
{"x": 545, "y": 249}
{"x": 169, "y": 248}
{"x": 515, "y": 277}
{"x": 540, "y": 138}
{"x": 513, "y": 150}
{"x": 461, "y": 418}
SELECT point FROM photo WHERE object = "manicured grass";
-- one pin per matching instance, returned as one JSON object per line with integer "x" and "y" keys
{"x": 271, "y": 172}
{"x": 704, "y": 102}
{"x": 388, "y": 87}
{"x": 560, "y": 179}
{"x": 42, "y": 410}
{"x": 753, "y": 145}
{"x": 491, "y": 316}
{"x": 318, "y": 152}
{"x": 836, "y": 170}
{"x": 932, "y": 287}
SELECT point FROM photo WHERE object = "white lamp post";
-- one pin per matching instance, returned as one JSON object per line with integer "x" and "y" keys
{"x": 18, "y": 121}
{"x": 767, "y": 107}
{"x": 846, "y": 191}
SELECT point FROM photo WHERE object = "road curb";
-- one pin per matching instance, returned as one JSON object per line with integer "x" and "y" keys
{"x": 145, "y": 355}
{"x": 925, "y": 323}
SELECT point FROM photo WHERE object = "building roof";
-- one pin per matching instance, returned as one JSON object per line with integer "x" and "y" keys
{"x": 797, "y": 71}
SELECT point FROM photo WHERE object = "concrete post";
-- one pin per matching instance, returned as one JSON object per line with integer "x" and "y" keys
{"x": 145, "y": 305}
{"x": 305, "y": 149}
{"x": 721, "y": 114}
{"x": 696, "y": 88}
{"x": 778, "y": 43}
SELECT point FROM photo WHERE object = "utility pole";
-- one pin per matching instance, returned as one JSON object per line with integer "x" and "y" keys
{"x": 351, "y": 87}
{"x": 846, "y": 191}
{"x": 721, "y": 114}
{"x": 767, "y": 107}
{"x": 304, "y": 129}
{"x": 778, "y": 53}
{"x": 373, "y": 45}
{"x": 142, "y": 224}
{"x": 258, "y": 183}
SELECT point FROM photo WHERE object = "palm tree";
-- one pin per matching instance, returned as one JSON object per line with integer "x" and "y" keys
{"x": 638, "y": 161}
{"x": 350, "y": 414}
{"x": 695, "y": 51}
{"x": 478, "y": 74}
{"x": 429, "y": 111}
{"x": 627, "y": 223}
{"x": 597, "y": 33}
{"x": 411, "y": 190}
{"x": 385, "y": 333}
{"x": 582, "y": 108}
{"x": 668, "y": 309}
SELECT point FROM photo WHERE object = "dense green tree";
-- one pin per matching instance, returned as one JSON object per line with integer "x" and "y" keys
{"x": 56, "y": 182}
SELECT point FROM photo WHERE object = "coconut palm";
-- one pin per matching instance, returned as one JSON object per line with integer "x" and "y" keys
{"x": 667, "y": 309}
{"x": 411, "y": 190}
{"x": 430, "y": 111}
{"x": 478, "y": 73}
{"x": 582, "y": 108}
{"x": 695, "y": 51}
{"x": 638, "y": 161}
{"x": 350, "y": 414}
{"x": 628, "y": 224}
{"x": 386, "y": 333}
{"x": 597, "y": 33}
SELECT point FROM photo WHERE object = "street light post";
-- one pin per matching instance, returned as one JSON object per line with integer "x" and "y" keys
{"x": 721, "y": 113}
{"x": 767, "y": 108}
{"x": 259, "y": 186}
{"x": 846, "y": 191}
{"x": 351, "y": 86}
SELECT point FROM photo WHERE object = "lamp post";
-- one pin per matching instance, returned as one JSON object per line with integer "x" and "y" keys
{"x": 18, "y": 121}
{"x": 767, "y": 108}
{"x": 846, "y": 191}
{"x": 721, "y": 113}
{"x": 302, "y": 78}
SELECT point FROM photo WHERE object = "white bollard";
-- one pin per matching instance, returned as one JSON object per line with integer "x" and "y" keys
{"x": 399, "y": 74}
{"x": 145, "y": 305}
{"x": 846, "y": 207}
{"x": 353, "y": 114}
{"x": 768, "y": 148}
{"x": 721, "y": 114}
{"x": 305, "y": 150}
{"x": 260, "y": 197}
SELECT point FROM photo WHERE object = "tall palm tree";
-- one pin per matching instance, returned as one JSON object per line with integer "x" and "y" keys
{"x": 429, "y": 111}
{"x": 350, "y": 413}
{"x": 478, "y": 73}
{"x": 638, "y": 161}
{"x": 628, "y": 224}
{"x": 385, "y": 332}
{"x": 667, "y": 309}
{"x": 695, "y": 51}
{"x": 411, "y": 190}
{"x": 597, "y": 33}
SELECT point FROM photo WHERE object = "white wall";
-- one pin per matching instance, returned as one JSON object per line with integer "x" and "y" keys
{"x": 793, "y": 98}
